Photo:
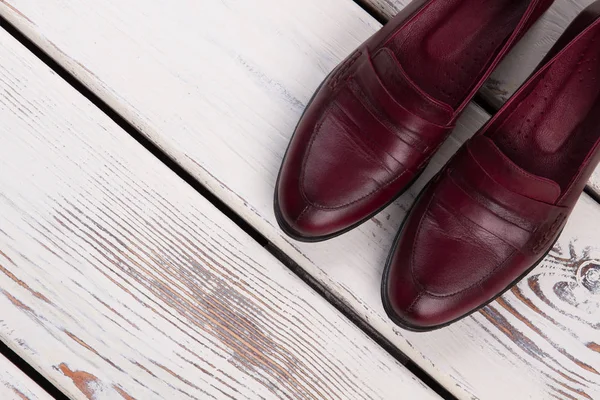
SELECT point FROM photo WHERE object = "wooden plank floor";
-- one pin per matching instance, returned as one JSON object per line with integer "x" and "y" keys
{"x": 15, "y": 385}
{"x": 522, "y": 60}
{"x": 118, "y": 280}
{"x": 223, "y": 103}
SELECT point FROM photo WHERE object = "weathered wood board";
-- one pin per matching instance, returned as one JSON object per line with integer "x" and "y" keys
{"x": 118, "y": 280}
{"x": 224, "y": 102}
{"x": 385, "y": 9}
{"x": 523, "y": 59}
{"x": 15, "y": 385}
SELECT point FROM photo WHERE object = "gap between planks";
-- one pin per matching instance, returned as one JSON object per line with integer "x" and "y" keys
{"x": 15, "y": 385}
{"x": 46, "y": 389}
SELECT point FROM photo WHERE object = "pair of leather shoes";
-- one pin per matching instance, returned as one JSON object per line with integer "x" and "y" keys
{"x": 495, "y": 210}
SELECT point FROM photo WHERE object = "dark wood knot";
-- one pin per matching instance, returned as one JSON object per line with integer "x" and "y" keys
{"x": 589, "y": 276}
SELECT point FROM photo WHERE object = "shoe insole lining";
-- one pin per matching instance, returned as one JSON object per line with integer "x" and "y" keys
{"x": 446, "y": 50}
{"x": 555, "y": 127}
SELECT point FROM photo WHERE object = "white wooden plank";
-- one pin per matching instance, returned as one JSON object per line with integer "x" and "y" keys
{"x": 15, "y": 385}
{"x": 523, "y": 59}
{"x": 117, "y": 279}
{"x": 386, "y": 9}
{"x": 224, "y": 102}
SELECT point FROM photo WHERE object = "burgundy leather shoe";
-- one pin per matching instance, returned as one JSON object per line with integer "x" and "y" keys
{"x": 496, "y": 209}
{"x": 373, "y": 125}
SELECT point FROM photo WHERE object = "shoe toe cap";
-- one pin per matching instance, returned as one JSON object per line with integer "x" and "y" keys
{"x": 304, "y": 222}
{"x": 411, "y": 307}
{"x": 438, "y": 273}
{"x": 336, "y": 173}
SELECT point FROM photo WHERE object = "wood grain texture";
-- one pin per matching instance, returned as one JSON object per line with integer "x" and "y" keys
{"x": 15, "y": 385}
{"x": 523, "y": 59}
{"x": 118, "y": 280}
{"x": 386, "y": 9}
{"x": 224, "y": 102}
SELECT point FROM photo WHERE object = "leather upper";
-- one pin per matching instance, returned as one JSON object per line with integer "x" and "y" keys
{"x": 477, "y": 227}
{"x": 368, "y": 132}
{"x": 487, "y": 219}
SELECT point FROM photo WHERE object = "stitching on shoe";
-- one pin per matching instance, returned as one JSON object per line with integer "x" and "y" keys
{"x": 470, "y": 195}
{"x": 302, "y": 214}
{"x": 534, "y": 200}
{"x": 359, "y": 143}
{"x": 340, "y": 74}
{"x": 412, "y": 305}
{"x": 548, "y": 233}
{"x": 461, "y": 218}
{"x": 418, "y": 145}
{"x": 441, "y": 296}
{"x": 303, "y": 173}
{"x": 435, "y": 103}
{"x": 323, "y": 207}
{"x": 519, "y": 170}
{"x": 336, "y": 79}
